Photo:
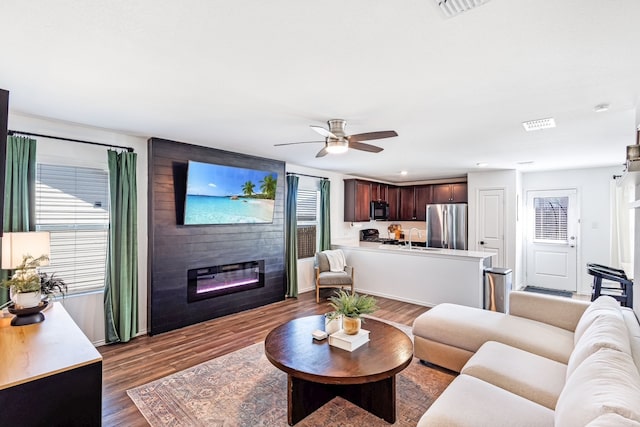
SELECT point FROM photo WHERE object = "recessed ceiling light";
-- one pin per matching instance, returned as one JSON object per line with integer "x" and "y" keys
{"x": 538, "y": 124}
{"x": 528, "y": 162}
{"x": 482, "y": 164}
{"x": 601, "y": 108}
{"x": 403, "y": 172}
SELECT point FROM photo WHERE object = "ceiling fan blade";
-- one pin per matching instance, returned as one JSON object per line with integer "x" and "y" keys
{"x": 372, "y": 135}
{"x": 365, "y": 147}
{"x": 322, "y": 152}
{"x": 294, "y": 143}
{"x": 322, "y": 131}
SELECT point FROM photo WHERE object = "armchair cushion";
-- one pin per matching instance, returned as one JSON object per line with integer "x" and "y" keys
{"x": 322, "y": 262}
{"x": 334, "y": 278}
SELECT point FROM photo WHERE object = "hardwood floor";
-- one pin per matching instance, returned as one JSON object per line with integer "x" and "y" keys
{"x": 146, "y": 358}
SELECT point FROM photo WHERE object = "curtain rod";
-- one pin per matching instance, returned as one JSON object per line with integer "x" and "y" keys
{"x": 13, "y": 132}
{"x": 309, "y": 176}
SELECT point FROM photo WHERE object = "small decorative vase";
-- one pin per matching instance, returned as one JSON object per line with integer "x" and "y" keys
{"x": 351, "y": 325}
{"x": 333, "y": 325}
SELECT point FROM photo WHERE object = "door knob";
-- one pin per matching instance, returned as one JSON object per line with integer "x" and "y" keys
{"x": 482, "y": 242}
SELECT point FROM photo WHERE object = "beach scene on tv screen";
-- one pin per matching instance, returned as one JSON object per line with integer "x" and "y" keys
{"x": 218, "y": 194}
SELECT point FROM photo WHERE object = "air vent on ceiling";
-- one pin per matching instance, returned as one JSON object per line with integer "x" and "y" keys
{"x": 538, "y": 124}
{"x": 452, "y": 8}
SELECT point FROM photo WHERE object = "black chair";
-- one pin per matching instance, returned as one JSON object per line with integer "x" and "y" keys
{"x": 621, "y": 289}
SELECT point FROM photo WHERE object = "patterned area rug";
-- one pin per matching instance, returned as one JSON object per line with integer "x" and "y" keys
{"x": 244, "y": 389}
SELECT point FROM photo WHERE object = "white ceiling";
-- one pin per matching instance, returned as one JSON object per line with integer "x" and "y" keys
{"x": 244, "y": 75}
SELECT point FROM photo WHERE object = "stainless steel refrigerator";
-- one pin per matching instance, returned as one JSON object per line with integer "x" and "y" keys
{"x": 447, "y": 226}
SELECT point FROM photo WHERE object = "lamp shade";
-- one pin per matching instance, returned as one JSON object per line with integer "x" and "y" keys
{"x": 16, "y": 245}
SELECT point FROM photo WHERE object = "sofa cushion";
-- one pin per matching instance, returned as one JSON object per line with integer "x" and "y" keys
{"x": 468, "y": 401}
{"x": 602, "y": 306}
{"x": 468, "y": 328}
{"x": 613, "y": 420}
{"x": 604, "y": 332}
{"x": 606, "y": 382}
{"x": 526, "y": 374}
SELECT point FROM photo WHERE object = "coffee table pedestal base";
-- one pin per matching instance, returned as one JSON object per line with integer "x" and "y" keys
{"x": 304, "y": 397}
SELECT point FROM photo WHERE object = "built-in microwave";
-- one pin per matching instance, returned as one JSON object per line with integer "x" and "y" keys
{"x": 379, "y": 211}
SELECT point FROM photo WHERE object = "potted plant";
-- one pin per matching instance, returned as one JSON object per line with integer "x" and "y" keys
{"x": 24, "y": 285}
{"x": 351, "y": 307}
{"x": 51, "y": 286}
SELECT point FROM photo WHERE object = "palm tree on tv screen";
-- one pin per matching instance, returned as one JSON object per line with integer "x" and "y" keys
{"x": 247, "y": 188}
{"x": 268, "y": 186}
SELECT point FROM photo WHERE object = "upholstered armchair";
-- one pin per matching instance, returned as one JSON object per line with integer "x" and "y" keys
{"x": 325, "y": 278}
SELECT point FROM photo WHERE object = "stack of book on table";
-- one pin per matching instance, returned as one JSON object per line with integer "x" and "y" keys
{"x": 349, "y": 342}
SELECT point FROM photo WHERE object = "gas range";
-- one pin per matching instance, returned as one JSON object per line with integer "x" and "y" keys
{"x": 373, "y": 235}
{"x": 383, "y": 241}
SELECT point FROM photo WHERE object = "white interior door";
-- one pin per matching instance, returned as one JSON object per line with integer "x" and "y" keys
{"x": 552, "y": 239}
{"x": 490, "y": 225}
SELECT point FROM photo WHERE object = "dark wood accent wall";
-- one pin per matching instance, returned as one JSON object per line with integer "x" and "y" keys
{"x": 4, "y": 117}
{"x": 175, "y": 248}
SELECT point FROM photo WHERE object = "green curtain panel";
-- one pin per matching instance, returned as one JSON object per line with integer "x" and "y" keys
{"x": 121, "y": 287}
{"x": 292, "y": 236}
{"x": 325, "y": 214}
{"x": 19, "y": 191}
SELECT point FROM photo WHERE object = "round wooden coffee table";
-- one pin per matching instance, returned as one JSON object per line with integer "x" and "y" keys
{"x": 318, "y": 372}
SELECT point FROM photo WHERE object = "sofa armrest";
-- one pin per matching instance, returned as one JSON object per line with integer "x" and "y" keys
{"x": 556, "y": 311}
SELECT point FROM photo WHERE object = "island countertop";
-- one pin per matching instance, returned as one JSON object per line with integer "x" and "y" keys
{"x": 424, "y": 276}
{"x": 418, "y": 251}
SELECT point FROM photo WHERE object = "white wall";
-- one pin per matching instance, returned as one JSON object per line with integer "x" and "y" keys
{"x": 594, "y": 198}
{"x": 87, "y": 310}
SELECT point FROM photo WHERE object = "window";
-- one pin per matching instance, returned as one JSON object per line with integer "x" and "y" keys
{"x": 551, "y": 218}
{"x": 72, "y": 203}
{"x": 307, "y": 217}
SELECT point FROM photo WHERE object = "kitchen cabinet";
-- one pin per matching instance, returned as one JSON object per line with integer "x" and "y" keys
{"x": 379, "y": 191}
{"x": 450, "y": 193}
{"x": 407, "y": 204}
{"x": 393, "y": 197}
{"x": 357, "y": 200}
{"x": 422, "y": 196}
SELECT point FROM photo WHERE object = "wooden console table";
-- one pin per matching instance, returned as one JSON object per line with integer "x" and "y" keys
{"x": 50, "y": 373}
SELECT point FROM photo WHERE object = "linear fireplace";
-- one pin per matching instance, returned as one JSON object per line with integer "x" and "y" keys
{"x": 209, "y": 282}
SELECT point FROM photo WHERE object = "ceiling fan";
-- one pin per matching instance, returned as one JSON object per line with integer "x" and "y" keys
{"x": 336, "y": 141}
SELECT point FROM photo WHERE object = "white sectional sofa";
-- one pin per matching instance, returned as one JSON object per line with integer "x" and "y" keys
{"x": 550, "y": 362}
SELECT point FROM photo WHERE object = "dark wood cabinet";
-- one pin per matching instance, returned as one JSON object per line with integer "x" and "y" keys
{"x": 450, "y": 193}
{"x": 393, "y": 197}
{"x": 407, "y": 210}
{"x": 379, "y": 191}
{"x": 357, "y": 200}
{"x": 422, "y": 196}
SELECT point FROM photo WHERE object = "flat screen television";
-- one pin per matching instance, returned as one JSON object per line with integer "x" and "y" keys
{"x": 218, "y": 194}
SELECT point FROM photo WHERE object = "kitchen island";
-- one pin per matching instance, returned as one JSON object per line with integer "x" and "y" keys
{"x": 424, "y": 276}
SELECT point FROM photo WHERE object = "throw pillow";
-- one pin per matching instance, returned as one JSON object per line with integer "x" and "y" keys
{"x": 606, "y": 382}
{"x": 603, "y": 306}
{"x": 604, "y": 332}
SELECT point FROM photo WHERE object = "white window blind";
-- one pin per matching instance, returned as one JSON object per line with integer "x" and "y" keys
{"x": 307, "y": 218}
{"x": 551, "y": 218}
{"x": 72, "y": 203}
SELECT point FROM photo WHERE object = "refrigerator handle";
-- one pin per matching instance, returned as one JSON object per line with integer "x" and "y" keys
{"x": 445, "y": 226}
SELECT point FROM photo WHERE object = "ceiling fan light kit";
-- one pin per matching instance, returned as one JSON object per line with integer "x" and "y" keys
{"x": 336, "y": 141}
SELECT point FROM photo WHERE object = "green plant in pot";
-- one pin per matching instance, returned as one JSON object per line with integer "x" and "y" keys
{"x": 25, "y": 284}
{"x": 50, "y": 286}
{"x": 351, "y": 307}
